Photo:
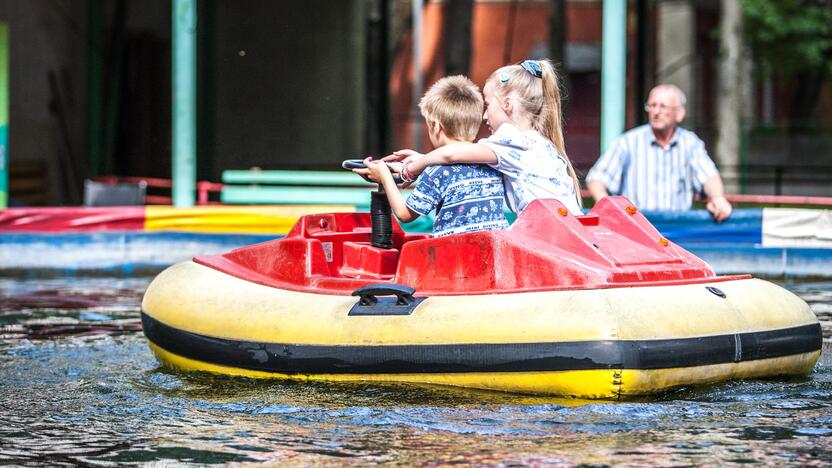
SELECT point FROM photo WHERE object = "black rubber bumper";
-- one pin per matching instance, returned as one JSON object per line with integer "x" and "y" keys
{"x": 288, "y": 358}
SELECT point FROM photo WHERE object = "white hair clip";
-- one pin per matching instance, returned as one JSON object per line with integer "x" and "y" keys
{"x": 504, "y": 77}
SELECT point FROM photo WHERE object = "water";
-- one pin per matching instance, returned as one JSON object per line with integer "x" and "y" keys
{"x": 78, "y": 385}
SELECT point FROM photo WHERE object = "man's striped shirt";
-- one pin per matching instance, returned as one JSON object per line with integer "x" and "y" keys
{"x": 653, "y": 177}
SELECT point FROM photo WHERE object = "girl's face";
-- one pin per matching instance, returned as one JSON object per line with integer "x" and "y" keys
{"x": 495, "y": 108}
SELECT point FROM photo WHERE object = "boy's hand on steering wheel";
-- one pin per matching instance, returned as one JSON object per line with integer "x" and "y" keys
{"x": 376, "y": 170}
{"x": 364, "y": 171}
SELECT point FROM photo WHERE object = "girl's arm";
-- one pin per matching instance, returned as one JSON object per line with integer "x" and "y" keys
{"x": 454, "y": 153}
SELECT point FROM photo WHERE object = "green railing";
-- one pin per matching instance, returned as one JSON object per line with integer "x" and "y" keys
{"x": 289, "y": 187}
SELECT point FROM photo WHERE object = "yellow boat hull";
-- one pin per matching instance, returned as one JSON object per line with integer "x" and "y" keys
{"x": 605, "y": 343}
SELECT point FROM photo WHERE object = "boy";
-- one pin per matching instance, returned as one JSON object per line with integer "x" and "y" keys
{"x": 467, "y": 197}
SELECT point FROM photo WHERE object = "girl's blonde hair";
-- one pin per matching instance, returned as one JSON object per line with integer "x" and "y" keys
{"x": 539, "y": 101}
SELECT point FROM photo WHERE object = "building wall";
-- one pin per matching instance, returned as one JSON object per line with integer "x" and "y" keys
{"x": 42, "y": 41}
{"x": 281, "y": 85}
{"x": 497, "y": 41}
{"x": 289, "y": 83}
{"x": 49, "y": 125}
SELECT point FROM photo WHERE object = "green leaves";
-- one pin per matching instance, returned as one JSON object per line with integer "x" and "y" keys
{"x": 792, "y": 36}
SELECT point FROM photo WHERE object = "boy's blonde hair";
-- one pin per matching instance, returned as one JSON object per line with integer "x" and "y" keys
{"x": 456, "y": 103}
{"x": 539, "y": 98}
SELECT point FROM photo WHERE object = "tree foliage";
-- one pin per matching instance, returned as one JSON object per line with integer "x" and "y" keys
{"x": 792, "y": 36}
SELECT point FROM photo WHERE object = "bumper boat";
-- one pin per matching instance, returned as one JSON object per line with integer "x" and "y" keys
{"x": 592, "y": 306}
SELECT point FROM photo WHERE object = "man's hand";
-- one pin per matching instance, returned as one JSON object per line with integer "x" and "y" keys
{"x": 597, "y": 189}
{"x": 720, "y": 208}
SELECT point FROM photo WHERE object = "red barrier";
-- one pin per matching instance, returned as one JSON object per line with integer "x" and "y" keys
{"x": 123, "y": 218}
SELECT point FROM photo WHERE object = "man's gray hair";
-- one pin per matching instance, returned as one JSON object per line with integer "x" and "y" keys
{"x": 680, "y": 95}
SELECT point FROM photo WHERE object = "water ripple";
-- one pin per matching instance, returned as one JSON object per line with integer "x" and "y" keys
{"x": 79, "y": 386}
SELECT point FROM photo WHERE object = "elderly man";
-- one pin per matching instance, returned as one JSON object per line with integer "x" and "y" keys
{"x": 660, "y": 165}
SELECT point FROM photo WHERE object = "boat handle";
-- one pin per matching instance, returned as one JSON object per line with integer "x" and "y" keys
{"x": 404, "y": 294}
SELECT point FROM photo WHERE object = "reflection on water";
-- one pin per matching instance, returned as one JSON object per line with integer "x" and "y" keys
{"x": 80, "y": 386}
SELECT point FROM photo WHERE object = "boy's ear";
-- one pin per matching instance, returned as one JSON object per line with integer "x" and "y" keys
{"x": 436, "y": 127}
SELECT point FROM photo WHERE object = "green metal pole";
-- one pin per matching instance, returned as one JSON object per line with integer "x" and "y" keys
{"x": 184, "y": 102}
{"x": 613, "y": 70}
{"x": 4, "y": 115}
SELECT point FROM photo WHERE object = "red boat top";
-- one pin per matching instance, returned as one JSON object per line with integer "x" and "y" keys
{"x": 547, "y": 248}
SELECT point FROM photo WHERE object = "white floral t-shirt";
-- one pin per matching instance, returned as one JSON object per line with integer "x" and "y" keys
{"x": 531, "y": 168}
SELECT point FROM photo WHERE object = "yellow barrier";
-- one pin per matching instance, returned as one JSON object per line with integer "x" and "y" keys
{"x": 233, "y": 219}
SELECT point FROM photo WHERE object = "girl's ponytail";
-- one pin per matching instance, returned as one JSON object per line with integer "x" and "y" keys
{"x": 536, "y": 86}
{"x": 549, "y": 121}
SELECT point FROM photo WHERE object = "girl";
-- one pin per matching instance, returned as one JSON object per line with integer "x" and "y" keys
{"x": 522, "y": 110}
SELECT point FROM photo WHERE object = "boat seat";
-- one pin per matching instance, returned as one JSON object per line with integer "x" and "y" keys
{"x": 332, "y": 244}
{"x": 362, "y": 260}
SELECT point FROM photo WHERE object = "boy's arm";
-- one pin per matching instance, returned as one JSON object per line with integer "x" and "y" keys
{"x": 379, "y": 172}
{"x": 397, "y": 204}
{"x": 454, "y": 153}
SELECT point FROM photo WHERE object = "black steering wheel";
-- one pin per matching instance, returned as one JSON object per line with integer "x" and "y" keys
{"x": 350, "y": 164}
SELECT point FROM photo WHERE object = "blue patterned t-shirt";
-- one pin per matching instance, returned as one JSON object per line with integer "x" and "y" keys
{"x": 467, "y": 198}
